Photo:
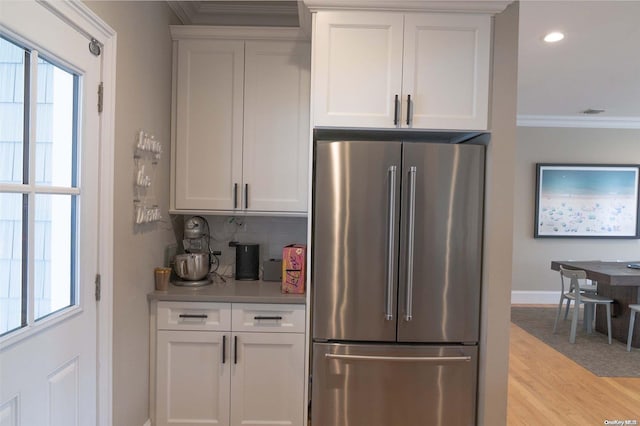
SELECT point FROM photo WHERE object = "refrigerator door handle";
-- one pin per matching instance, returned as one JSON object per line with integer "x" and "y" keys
{"x": 390, "y": 243}
{"x": 410, "y": 242}
{"x": 436, "y": 359}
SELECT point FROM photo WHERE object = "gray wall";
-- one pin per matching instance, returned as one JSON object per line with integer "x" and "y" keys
{"x": 532, "y": 257}
{"x": 143, "y": 101}
{"x": 496, "y": 282}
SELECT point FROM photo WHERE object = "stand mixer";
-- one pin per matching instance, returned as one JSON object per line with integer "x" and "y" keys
{"x": 193, "y": 266}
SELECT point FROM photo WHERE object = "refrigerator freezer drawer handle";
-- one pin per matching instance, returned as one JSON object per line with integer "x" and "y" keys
{"x": 410, "y": 243}
{"x": 435, "y": 359}
{"x": 390, "y": 243}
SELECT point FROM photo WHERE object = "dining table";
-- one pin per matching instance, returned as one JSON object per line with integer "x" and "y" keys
{"x": 617, "y": 281}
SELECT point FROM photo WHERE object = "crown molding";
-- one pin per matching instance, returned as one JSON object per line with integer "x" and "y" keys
{"x": 469, "y": 6}
{"x": 247, "y": 13}
{"x": 578, "y": 121}
{"x": 191, "y": 32}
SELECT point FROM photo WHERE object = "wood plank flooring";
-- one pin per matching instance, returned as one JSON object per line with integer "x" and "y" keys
{"x": 547, "y": 388}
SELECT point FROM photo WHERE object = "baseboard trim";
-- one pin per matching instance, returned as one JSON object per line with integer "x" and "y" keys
{"x": 534, "y": 297}
{"x": 147, "y": 423}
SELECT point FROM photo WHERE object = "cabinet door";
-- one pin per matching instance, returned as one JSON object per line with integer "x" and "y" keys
{"x": 446, "y": 71}
{"x": 276, "y": 126}
{"x": 357, "y": 68}
{"x": 208, "y": 138}
{"x": 267, "y": 379}
{"x": 192, "y": 378}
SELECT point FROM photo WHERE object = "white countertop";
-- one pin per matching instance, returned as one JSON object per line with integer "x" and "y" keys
{"x": 232, "y": 291}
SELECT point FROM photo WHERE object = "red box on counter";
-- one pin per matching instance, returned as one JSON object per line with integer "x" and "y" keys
{"x": 293, "y": 268}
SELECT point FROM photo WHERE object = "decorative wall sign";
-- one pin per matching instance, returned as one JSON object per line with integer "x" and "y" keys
{"x": 588, "y": 201}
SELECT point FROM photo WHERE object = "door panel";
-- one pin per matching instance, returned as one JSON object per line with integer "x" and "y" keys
{"x": 209, "y": 116}
{"x": 193, "y": 380}
{"x": 446, "y": 70}
{"x": 276, "y": 117}
{"x": 358, "y": 68}
{"x": 48, "y": 369}
{"x": 352, "y": 219}
{"x": 447, "y": 243}
{"x": 267, "y": 379}
{"x": 383, "y": 385}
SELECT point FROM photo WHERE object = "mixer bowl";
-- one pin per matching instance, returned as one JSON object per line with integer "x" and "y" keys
{"x": 191, "y": 266}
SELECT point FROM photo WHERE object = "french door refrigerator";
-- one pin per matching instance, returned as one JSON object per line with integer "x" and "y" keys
{"x": 397, "y": 235}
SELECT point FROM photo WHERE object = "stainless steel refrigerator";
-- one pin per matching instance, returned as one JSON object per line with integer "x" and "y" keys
{"x": 397, "y": 243}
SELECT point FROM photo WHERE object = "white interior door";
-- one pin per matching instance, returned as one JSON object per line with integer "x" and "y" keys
{"x": 48, "y": 219}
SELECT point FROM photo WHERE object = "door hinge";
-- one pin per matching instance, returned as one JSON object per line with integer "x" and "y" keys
{"x": 100, "y": 96}
{"x": 98, "y": 287}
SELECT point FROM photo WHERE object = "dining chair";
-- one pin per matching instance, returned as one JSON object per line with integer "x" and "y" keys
{"x": 632, "y": 318}
{"x": 579, "y": 297}
{"x": 586, "y": 286}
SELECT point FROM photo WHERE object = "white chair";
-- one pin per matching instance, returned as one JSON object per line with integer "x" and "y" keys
{"x": 632, "y": 318}
{"x": 574, "y": 293}
{"x": 586, "y": 286}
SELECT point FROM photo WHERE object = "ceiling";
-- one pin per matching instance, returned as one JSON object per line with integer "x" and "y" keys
{"x": 596, "y": 66}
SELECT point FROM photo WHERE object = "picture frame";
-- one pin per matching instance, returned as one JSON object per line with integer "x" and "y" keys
{"x": 587, "y": 201}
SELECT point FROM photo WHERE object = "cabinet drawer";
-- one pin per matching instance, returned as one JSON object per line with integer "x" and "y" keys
{"x": 194, "y": 316}
{"x": 273, "y": 318}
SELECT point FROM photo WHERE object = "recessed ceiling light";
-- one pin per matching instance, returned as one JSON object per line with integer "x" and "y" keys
{"x": 553, "y": 37}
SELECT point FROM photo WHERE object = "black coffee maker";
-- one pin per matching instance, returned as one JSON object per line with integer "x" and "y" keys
{"x": 247, "y": 261}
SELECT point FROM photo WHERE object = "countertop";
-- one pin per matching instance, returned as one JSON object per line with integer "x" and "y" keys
{"x": 232, "y": 291}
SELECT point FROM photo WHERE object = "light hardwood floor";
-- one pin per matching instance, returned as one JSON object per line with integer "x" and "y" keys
{"x": 547, "y": 388}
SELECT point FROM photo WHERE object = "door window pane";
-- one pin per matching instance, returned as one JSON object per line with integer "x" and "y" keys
{"x": 12, "y": 90}
{"x": 55, "y": 126}
{"x": 54, "y": 248}
{"x": 11, "y": 248}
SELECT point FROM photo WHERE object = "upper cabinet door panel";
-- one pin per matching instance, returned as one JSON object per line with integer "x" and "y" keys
{"x": 358, "y": 68}
{"x": 276, "y": 125}
{"x": 446, "y": 71}
{"x": 208, "y": 123}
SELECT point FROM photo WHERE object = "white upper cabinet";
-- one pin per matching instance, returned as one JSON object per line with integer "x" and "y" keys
{"x": 276, "y": 125}
{"x": 357, "y": 68}
{"x": 241, "y": 121}
{"x": 394, "y": 70}
{"x": 208, "y": 123}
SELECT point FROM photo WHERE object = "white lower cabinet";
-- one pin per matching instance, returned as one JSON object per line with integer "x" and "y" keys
{"x": 209, "y": 374}
{"x": 192, "y": 379}
{"x": 266, "y": 385}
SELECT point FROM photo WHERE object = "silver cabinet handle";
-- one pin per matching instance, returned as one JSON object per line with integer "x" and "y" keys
{"x": 246, "y": 195}
{"x": 410, "y": 243}
{"x": 436, "y": 359}
{"x": 390, "y": 243}
{"x": 408, "y": 110}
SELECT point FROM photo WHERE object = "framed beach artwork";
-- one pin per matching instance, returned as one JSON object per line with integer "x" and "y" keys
{"x": 587, "y": 201}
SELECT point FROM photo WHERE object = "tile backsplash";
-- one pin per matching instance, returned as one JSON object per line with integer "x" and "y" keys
{"x": 272, "y": 233}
